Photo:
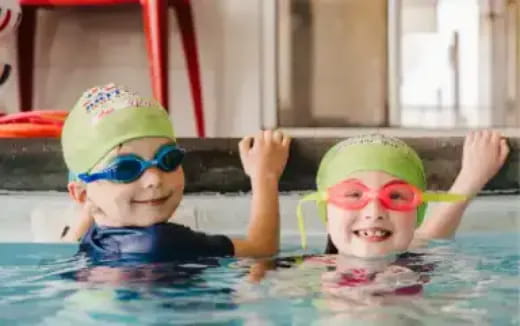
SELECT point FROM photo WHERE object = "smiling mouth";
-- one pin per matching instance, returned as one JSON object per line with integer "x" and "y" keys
{"x": 154, "y": 201}
{"x": 373, "y": 234}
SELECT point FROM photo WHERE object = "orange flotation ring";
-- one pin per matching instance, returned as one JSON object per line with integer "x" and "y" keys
{"x": 33, "y": 124}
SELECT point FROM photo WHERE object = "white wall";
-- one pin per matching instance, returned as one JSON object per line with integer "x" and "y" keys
{"x": 79, "y": 48}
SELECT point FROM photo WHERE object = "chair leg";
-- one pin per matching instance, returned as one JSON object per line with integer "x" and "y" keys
{"x": 184, "y": 12}
{"x": 25, "y": 57}
{"x": 155, "y": 19}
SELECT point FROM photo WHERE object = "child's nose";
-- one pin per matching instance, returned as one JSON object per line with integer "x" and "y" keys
{"x": 374, "y": 210}
{"x": 151, "y": 178}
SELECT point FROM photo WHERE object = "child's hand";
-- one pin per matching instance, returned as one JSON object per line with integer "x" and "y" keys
{"x": 483, "y": 155}
{"x": 265, "y": 154}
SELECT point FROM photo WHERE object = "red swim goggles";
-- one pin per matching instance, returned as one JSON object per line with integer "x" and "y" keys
{"x": 396, "y": 195}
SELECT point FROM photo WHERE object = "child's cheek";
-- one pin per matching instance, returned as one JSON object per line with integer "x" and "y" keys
{"x": 121, "y": 203}
{"x": 334, "y": 224}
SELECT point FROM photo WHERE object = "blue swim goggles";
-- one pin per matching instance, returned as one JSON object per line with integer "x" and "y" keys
{"x": 129, "y": 167}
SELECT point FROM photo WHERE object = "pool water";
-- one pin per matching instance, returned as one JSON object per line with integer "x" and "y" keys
{"x": 475, "y": 282}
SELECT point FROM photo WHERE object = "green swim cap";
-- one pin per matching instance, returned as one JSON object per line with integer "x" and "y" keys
{"x": 105, "y": 117}
{"x": 373, "y": 152}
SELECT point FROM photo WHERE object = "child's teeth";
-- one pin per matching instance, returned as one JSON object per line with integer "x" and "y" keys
{"x": 372, "y": 233}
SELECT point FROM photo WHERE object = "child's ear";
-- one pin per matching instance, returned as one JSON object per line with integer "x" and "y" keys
{"x": 77, "y": 191}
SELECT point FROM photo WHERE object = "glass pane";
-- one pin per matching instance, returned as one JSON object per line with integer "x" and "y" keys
{"x": 454, "y": 70}
{"x": 420, "y": 63}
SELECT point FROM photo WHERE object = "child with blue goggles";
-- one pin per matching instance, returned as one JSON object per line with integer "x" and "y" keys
{"x": 128, "y": 178}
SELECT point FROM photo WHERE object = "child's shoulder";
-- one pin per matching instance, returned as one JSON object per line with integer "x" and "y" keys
{"x": 128, "y": 232}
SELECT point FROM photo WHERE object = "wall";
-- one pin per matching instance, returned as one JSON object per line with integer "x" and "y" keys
{"x": 81, "y": 47}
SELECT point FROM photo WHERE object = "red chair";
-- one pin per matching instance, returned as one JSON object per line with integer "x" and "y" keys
{"x": 155, "y": 18}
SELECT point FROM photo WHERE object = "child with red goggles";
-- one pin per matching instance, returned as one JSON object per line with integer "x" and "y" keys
{"x": 372, "y": 193}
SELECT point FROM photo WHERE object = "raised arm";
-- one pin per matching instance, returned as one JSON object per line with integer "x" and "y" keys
{"x": 484, "y": 153}
{"x": 263, "y": 158}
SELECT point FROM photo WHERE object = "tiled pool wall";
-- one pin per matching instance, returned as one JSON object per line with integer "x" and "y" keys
{"x": 37, "y": 216}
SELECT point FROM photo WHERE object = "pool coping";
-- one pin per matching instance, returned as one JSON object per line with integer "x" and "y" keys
{"x": 213, "y": 164}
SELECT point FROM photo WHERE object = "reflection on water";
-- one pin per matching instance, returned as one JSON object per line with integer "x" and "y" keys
{"x": 471, "y": 281}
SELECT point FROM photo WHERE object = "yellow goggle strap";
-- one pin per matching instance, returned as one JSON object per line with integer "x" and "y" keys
{"x": 443, "y": 197}
{"x": 315, "y": 196}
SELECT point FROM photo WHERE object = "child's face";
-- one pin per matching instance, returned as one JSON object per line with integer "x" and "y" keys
{"x": 150, "y": 199}
{"x": 358, "y": 232}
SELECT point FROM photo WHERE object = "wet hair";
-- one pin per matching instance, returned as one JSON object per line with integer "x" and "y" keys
{"x": 330, "y": 248}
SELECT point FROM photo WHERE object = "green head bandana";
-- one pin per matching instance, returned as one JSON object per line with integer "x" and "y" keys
{"x": 105, "y": 117}
{"x": 365, "y": 153}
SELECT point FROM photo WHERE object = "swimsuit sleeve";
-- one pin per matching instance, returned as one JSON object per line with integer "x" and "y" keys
{"x": 196, "y": 243}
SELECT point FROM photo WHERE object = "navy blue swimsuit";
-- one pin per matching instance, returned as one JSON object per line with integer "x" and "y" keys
{"x": 159, "y": 242}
